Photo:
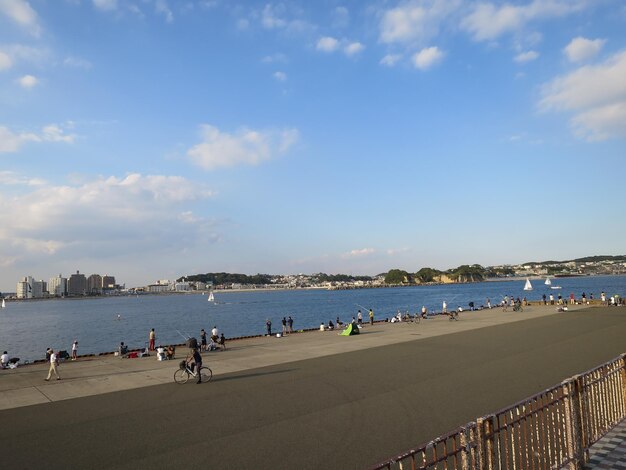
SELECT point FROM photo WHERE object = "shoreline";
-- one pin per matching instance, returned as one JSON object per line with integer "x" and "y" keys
{"x": 283, "y": 289}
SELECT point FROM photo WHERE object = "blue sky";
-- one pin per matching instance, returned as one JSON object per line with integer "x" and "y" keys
{"x": 149, "y": 139}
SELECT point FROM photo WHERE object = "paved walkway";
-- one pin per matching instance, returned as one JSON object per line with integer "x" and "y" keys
{"x": 25, "y": 386}
{"x": 610, "y": 451}
{"x": 309, "y": 401}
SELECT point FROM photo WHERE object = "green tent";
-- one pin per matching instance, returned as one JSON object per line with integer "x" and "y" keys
{"x": 350, "y": 330}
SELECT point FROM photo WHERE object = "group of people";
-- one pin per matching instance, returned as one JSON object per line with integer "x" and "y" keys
{"x": 216, "y": 340}
{"x": 287, "y": 324}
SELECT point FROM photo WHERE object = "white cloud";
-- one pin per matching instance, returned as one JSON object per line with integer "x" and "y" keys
{"x": 527, "y": 56}
{"x": 105, "y": 5}
{"x": 390, "y": 60}
{"x": 162, "y": 8}
{"x": 581, "y": 49}
{"x": 5, "y": 61}
{"x": 428, "y": 57}
{"x": 595, "y": 94}
{"x": 77, "y": 62}
{"x": 327, "y": 44}
{"x": 11, "y": 142}
{"x": 278, "y": 57}
{"x": 20, "y": 12}
{"x": 12, "y": 178}
{"x": 353, "y": 48}
{"x": 247, "y": 147}
{"x": 243, "y": 24}
{"x": 415, "y": 21}
{"x": 270, "y": 17}
{"x": 280, "y": 76}
{"x": 105, "y": 215}
{"x": 488, "y": 21}
{"x": 358, "y": 253}
{"x": 28, "y": 81}
{"x": 341, "y": 17}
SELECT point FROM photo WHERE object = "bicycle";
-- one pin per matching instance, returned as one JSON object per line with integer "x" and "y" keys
{"x": 182, "y": 374}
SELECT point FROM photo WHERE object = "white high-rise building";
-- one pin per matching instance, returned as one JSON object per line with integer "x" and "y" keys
{"x": 24, "y": 288}
{"x": 57, "y": 286}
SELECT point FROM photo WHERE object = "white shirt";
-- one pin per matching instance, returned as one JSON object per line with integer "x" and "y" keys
{"x": 74, "y": 346}
{"x": 53, "y": 358}
{"x": 214, "y": 332}
{"x": 4, "y": 358}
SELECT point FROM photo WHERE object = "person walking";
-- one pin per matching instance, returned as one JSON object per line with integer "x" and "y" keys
{"x": 152, "y": 338}
{"x": 74, "y": 350}
{"x": 54, "y": 362}
{"x": 202, "y": 340}
{"x": 371, "y": 313}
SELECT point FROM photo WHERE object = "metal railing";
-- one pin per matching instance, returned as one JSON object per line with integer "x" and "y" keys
{"x": 552, "y": 429}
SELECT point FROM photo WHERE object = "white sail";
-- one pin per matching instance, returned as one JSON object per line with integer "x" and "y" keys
{"x": 548, "y": 282}
{"x": 528, "y": 285}
{"x": 211, "y": 297}
{"x": 3, "y": 304}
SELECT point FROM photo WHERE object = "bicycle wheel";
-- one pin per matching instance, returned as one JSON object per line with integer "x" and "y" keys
{"x": 181, "y": 376}
{"x": 206, "y": 374}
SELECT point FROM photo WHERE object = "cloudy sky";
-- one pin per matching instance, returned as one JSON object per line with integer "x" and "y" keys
{"x": 149, "y": 139}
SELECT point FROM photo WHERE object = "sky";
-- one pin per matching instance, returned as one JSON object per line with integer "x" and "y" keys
{"x": 152, "y": 139}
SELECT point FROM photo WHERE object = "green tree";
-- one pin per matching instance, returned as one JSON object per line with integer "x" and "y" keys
{"x": 397, "y": 276}
{"x": 427, "y": 274}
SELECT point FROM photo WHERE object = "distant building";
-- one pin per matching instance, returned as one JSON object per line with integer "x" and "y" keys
{"x": 24, "y": 288}
{"x": 39, "y": 289}
{"x": 108, "y": 282}
{"x": 94, "y": 284}
{"x": 156, "y": 288}
{"x": 57, "y": 286}
{"x": 77, "y": 284}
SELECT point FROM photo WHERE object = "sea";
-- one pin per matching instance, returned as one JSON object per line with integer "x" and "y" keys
{"x": 28, "y": 328}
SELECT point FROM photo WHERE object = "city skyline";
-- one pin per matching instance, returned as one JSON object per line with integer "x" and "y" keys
{"x": 162, "y": 138}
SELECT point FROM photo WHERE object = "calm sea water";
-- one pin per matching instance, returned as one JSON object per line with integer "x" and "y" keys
{"x": 28, "y": 328}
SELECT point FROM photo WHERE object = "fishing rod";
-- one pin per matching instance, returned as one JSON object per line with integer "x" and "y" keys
{"x": 183, "y": 336}
{"x": 361, "y": 306}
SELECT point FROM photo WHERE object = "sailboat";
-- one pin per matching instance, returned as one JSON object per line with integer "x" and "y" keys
{"x": 548, "y": 282}
{"x": 3, "y": 303}
{"x": 211, "y": 298}
{"x": 528, "y": 285}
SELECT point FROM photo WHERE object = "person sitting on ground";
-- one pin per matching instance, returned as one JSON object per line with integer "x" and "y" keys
{"x": 339, "y": 323}
{"x": 331, "y": 325}
{"x": 4, "y": 360}
{"x": 212, "y": 346}
{"x": 160, "y": 353}
{"x": 123, "y": 350}
{"x": 171, "y": 351}
{"x": 222, "y": 341}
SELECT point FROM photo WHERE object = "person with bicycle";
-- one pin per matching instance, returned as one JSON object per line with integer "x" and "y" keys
{"x": 194, "y": 360}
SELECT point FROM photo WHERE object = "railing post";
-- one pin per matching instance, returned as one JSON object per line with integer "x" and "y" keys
{"x": 572, "y": 425}
{"x": 623, "y": 374}
{"x": 485, "y": 437}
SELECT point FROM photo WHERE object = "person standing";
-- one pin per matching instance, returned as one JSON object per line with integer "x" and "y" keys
{"x": 54, "y": 362}
{"x": 152, "y": 338}
{"x": 268, "y": 327}
{"x": 444, "y": 307}
{"x": 222, "y": 341}
{"x": 359, "y": 318}
{"x": 215, "y": 334}
{"x": 289, "y": 324}
{"x": 74, "y": 350}
{"x": 371, "y": 313}
{"x": 284, "y": 322}
{"x": 202, "y": 340}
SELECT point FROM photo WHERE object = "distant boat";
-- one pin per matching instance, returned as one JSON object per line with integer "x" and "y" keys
{"x": 555, "y": 287}
{"x": 548, "y": 282}
{"x": 528, "y": 285}
{"x": 211, "y": 298}
{"x": 3, "y": 303}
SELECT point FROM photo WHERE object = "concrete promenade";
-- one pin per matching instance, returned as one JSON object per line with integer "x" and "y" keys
{"x": 310, "y": 400}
